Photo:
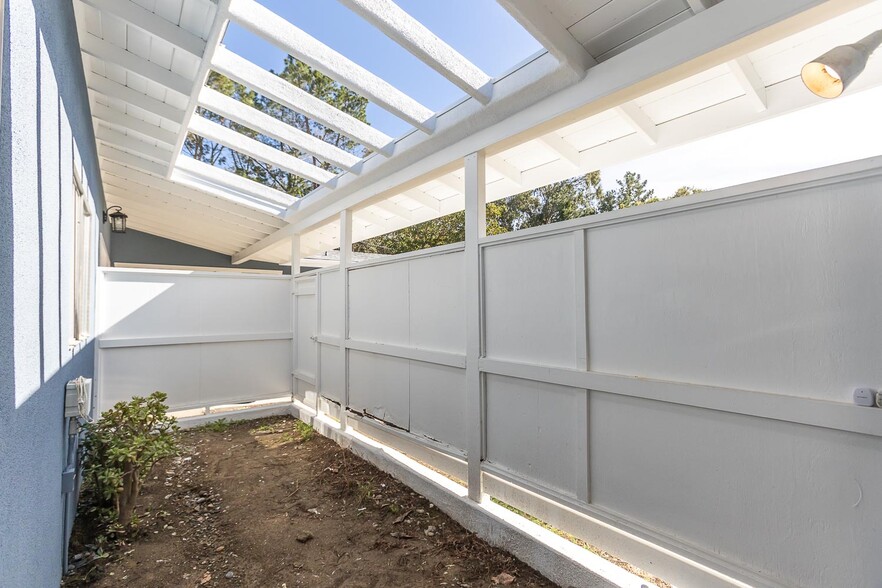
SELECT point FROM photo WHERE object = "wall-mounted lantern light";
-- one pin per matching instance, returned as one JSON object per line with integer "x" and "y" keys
{"x": 117, "y": 219}
{"x": 831, "y": 73}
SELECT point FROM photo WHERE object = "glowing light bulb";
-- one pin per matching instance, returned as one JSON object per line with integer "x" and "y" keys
{"x": 832, "y": 73}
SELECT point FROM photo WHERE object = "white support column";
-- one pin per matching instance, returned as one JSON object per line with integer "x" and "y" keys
{"x": 295, "y": 269}
{"x": 295, "y": 255}
{"x": 476, "y": 228}
{"x": 345, "y": 262}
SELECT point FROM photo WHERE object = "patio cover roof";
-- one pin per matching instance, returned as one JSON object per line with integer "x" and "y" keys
{"x": 619, "y": 79}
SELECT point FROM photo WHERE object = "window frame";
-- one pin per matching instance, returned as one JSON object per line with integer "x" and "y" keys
{"x": 83, "y": 253}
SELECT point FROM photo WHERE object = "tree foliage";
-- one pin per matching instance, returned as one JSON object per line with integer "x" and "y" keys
{"x": 307, "y": 79}
{"x": 576, "y": 197}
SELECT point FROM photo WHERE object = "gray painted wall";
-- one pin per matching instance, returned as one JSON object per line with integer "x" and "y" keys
{"x": 137, "y": 247}
{"x": 44, "y": 110}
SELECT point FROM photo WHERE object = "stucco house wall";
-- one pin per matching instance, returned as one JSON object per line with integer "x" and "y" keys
{"x": 44, "y": 119}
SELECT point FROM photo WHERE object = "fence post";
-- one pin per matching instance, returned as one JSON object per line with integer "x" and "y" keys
{"x": 475, "y": 229}
{"x": 295, "y": 269}
{"x": 345, "y": 262}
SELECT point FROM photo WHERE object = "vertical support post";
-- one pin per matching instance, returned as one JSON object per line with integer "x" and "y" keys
{"x": 345, "y": 262}
{"x": 295, "y": 269}
{"x": 580, "y": 320}
{"x": 475, "y": 229}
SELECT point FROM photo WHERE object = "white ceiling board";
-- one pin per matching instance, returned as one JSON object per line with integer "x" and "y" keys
{"x": 651, "y": 20}
{"x": 528, "y": 155}
{"x": 603, "y": 131}
{"x": 569, "y": 12}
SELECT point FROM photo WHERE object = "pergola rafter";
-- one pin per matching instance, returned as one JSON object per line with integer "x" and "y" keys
{"x": 269, "y": 126}
{"x": 408, "y": 32}
{"x": 206, "y": 176}
{"x": 258, "y": 150}
{"x": 275, "y": 88}
{"x": 286, "y": 36}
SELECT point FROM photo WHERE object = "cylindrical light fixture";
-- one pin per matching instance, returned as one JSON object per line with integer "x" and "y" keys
{"x": 117, "y": 219}
{"x": 831, "y": 73}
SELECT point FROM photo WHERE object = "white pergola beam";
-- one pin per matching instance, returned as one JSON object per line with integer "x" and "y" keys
{"x": 130, "y": 143}
{"x": 253, "y": 250}
{"x": 452, "y": 181}
{"x": 505, "y": 169}
{"x": 215, "y": 36}
{"x": 111, "y": 89}
{"x": 750, "y": 81}
{"x": 267, "y": 24}
{"x": 545, "y": 28}
{"x": 152, "y": 23}
{"x": 563, "y": 148}
{"x": 422, "y": 198}
{"x": 641, "y": 123}
{"x": 106, "y": 51}
{"x": 260, "y": 151}
{"x": 266, "y": 125}
{"x": 275, "y": 88}
{"x": 368, "y": 217}
{"x": 394, "y": 208}
{"x": 411, "y": 34}
{"x": 209, "y": 177}
{"x": 115, "y": 117}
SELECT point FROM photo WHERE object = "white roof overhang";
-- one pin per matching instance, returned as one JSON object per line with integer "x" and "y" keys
{"x": 615, "y": 84}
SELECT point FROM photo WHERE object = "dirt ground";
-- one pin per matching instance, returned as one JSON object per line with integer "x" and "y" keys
{"x": 263, "y": 504}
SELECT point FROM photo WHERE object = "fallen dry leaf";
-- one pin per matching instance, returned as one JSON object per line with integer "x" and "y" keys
{"x": 503, "y": 579}
{"x": 402, "y": 517}
{"x": 206, "y": 578}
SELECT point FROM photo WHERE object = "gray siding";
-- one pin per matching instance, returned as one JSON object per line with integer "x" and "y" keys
{"x": 137, "y": 247}
{"x": 44, "y": 110}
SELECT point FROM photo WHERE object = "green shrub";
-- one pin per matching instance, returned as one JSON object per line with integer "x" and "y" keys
{"x": 305, "y": 430}
{"x": 218, "y": 426}
{"x": 122, "y": 447}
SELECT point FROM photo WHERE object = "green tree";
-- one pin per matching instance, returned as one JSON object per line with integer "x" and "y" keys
{"x": 686, "y": 191}
{"x": 308, "y": 80}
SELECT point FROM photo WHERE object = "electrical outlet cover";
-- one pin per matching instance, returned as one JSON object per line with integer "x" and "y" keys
{"x": 864, "y": 396}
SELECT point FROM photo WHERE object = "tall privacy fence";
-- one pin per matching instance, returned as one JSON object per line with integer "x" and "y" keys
{"x": 678, "y": 373}
{"x": 671, "y": 383}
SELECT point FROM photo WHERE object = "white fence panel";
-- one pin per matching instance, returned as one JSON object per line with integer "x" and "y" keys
{"x": 779, "y": 294}
{"x": 530, "y": 302}
{"x": 680, "y": 374}
{"x": 407, "y": 334}
{"x": 204, "y": 339}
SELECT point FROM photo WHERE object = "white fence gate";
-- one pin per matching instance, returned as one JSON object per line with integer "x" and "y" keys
{"x": 205, "y": 339}
{"x": 679, "y": 372}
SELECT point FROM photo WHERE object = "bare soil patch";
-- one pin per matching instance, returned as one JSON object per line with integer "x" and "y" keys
{"x": 264, "y": 504}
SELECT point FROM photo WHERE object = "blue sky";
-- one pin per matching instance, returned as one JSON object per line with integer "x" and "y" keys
{"x": 479, "y": 29}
